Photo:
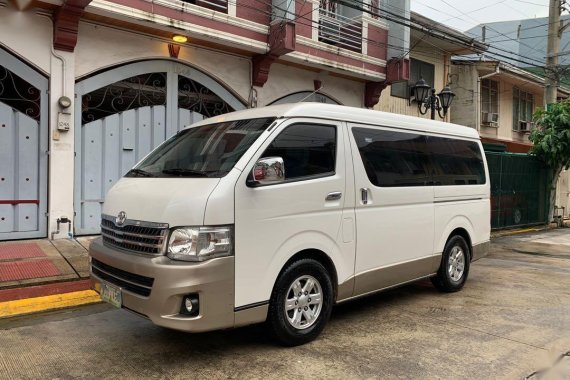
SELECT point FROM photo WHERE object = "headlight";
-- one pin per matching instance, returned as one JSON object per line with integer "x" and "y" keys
{"x": 200, "y": 243}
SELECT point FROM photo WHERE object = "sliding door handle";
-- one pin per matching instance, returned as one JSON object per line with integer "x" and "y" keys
{"x": 334, "y": 196}
{"x": 364, "y": 195}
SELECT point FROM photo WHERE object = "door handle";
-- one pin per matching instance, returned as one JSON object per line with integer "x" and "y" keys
{"x": 334, "y": 196}
{"x": 364, "y": 195}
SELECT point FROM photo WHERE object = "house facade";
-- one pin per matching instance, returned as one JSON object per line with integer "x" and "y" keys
{"x": 499, "y": 100}
{"x": 430, "y": 59}
{"x": 88, "y": 87}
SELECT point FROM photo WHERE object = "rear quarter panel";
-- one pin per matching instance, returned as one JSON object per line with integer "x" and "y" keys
{"x": 467, "y": 207}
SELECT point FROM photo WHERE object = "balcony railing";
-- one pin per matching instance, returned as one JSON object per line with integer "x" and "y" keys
{"x": 216, "y": 5}
{"x": 340, "y": 31}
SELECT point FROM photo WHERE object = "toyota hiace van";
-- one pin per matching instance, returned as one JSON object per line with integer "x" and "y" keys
{"x": 276, "y": 214}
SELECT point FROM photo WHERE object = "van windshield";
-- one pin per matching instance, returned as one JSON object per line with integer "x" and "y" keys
{"x": 207, "y": 151}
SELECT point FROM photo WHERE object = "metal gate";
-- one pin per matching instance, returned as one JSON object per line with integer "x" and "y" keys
{"x": 519, "y": 189}
{"x": 23, "y": 150}
{"x": 126, "y": 112}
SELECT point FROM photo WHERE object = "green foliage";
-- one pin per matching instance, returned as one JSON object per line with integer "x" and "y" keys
{"x": 551, "y": 138}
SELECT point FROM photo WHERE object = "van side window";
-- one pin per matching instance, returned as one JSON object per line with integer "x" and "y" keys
{"x": 455, "y": 162}
{"x": 307, "y": 150}
{"x": 393, "y": 158}
{"x": 404, "y": 159}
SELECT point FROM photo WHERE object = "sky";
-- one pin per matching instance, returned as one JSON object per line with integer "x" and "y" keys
{"x": 465, "y": 14}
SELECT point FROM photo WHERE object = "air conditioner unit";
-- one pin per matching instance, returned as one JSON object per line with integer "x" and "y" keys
{"x": 330, "y": 30}
{"x": 525, "y": 126}
{"x": 490, "y": 117}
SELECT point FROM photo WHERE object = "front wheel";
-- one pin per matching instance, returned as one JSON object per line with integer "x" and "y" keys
{"x": 454, "y": 267}
{"x": 301, "y": 302}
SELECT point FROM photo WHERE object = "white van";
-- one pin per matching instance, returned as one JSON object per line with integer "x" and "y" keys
{"x": 278, "y": 213}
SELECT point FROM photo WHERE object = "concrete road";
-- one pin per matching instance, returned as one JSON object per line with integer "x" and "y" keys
{"x": 511, "y": 319}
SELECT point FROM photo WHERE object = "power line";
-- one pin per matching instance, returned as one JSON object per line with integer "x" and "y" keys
{"x": 457, "y": 41}
{"x": 446, "y": 2}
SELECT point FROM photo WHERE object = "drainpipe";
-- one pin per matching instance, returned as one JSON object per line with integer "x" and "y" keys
{"x": 478, "y": 89}
{"x": 59, "y": 57}
{"x": 446, "y": 65}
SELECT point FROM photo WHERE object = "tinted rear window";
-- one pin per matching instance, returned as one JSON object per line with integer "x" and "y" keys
{"x": 402, "y": 159}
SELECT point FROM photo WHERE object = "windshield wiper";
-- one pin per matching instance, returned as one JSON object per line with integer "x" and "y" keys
{"x": 139, "y": 173}
{"x": 181, "y": 172}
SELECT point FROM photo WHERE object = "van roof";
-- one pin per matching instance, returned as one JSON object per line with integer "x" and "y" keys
{"x": 348, "y": 114}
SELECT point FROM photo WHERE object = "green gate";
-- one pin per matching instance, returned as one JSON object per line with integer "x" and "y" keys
{"x": 519, "y": 189}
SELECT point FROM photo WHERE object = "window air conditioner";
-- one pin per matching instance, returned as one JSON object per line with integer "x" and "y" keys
{"x": 490, "y": 119}
{"x": 525, "y": 126}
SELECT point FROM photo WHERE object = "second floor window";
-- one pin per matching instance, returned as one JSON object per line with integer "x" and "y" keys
{"x": 339, "y": 25}
{"x": 328, "y": 8}
{"x": 216, "y": 5}
{"x": 489, "y": 102}
{"x": 523, "y": 106}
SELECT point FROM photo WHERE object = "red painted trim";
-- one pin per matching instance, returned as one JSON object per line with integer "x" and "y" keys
{"x": 512, "y": 146}
{"x": 44, "y": 290}
{"x": 377, "y": 42}
{"x": 304, "y": 26}
{"x": 254, "y": 10}
{"x": 66, "y": 24}
{"x": 193, "y": 19}
{"x": 19, "y": 201}
{"x": 339, "y": 58}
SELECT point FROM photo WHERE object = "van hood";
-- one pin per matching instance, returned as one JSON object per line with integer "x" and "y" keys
{"x": 176, "y": 201}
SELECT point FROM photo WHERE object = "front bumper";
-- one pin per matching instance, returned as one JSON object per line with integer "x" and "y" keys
{"x": 212, "y": 280}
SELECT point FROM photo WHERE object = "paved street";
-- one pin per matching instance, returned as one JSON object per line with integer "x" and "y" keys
{"x": 512, "y": 318}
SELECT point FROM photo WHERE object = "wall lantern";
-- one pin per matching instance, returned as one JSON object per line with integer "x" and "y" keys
{"x": 428, "y": 100}
{"x": 179, "y": 38}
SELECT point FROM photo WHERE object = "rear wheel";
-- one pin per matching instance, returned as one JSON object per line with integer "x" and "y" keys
{"x": 454, "y": 267}
{"x": 301, "y": 302}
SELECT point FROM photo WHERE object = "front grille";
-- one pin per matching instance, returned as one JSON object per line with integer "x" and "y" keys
{"x": 134, "y": 235}
{"x": 134, "y": 283}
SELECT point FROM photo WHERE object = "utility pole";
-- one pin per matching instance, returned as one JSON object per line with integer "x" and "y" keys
{"x": 554, "y": 32}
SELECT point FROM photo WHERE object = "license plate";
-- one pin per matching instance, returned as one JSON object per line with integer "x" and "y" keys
{"x": 111, "y": 294}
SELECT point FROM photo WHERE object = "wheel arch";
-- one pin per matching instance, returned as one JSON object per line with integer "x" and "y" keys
{"x": 458, "y": 226}
{"x": 465, "y": 235}
{"x": 319, "y": 256}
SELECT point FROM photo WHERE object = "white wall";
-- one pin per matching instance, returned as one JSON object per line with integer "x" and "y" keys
{"x": 563, "y": 192}
{"x": 464, "y": 82}
{"x": 101, "y": 47}
{"x": 27, "y": 34}
{"x": 284, "y": 80}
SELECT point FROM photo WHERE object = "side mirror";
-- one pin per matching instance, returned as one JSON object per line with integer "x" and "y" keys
{"x": 268, "y": 170}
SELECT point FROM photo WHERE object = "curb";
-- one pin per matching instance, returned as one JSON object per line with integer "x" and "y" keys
{"x": 45, "y": 303}
{"x": 49, "y": 289}
{"x": 501, "y": 233}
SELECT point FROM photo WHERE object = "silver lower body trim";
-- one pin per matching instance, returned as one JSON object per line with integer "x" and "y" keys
{"x": 481, "y": 250}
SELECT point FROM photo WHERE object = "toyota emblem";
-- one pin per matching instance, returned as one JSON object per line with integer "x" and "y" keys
{"x": 120, "y": 219}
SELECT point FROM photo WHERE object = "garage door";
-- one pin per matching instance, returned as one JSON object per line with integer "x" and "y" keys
{"x": 127, "y": 112}
{"x": 23, "y": 150}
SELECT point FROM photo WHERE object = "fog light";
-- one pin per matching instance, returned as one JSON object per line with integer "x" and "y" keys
{"x": 190, "y": 305}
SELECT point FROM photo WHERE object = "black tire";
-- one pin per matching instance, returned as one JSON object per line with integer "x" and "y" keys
{"x": 284, "y": 331}
{"x": 444, "y": 281}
